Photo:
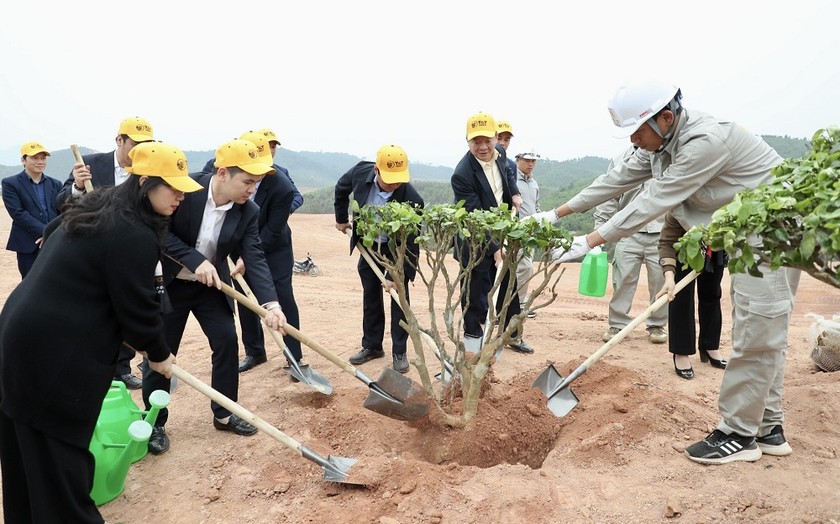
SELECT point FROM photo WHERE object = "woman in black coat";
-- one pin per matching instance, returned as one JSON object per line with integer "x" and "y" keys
{"x": 91, "y": 288}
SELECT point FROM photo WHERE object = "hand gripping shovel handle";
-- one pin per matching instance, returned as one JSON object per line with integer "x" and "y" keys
{"x": 396, "y": 297}
{"x": 335, "y": 468}
{"x": 621, "y": 335}
{"x": 78, "y": 156}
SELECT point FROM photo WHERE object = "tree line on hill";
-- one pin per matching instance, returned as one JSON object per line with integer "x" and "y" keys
{"x": 315, "y": 174}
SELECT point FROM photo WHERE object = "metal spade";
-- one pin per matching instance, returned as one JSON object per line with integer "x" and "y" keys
{"x": 561, "y": 399}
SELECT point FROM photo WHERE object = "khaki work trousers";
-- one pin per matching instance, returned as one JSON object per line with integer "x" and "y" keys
{"x": 630, "y": 253}
{"x": 750, "y": 400}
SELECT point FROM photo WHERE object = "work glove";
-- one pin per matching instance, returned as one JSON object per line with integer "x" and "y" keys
{"x": 551, "y": 216}
{"x": 578, "y": 249}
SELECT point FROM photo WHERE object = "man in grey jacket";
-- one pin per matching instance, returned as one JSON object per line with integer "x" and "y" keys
{"x": 696, "y": 164}
{"x": 631, "y": 253}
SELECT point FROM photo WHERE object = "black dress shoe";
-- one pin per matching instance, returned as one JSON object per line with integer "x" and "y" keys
{"x": 158, "y": 442}
{"x": 522, "y": 347}
{"x": 235, "y": 424}
{"x": 250, "y": 362}
{"x": 365, "y": 355}
{"x": 130, "y": 381}
{"x": 400, "y": 363}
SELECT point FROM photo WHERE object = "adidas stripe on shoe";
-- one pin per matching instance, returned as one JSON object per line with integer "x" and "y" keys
{"x": 774, "y": 443}
{"x": 720, "y": 448}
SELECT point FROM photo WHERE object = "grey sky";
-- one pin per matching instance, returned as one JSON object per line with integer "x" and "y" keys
{"x": 352, "y": 76}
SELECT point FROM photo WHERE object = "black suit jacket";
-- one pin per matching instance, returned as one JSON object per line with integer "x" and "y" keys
{"x": 101, "y": 173}
{"x": 107, "y": 278}
{"x": 275, "y": 197}
{"x": 239, "y": 236}
{"x": 470, "y": 185}
{"x": 28, "y": 219}
{"x": 358, "y": 181}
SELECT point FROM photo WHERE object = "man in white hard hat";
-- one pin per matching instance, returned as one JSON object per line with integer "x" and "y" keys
{"x": 696, "y": 164}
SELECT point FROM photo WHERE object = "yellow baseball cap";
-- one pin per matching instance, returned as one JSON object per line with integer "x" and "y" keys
{"x": 481, "y": 124}
{"x": 32, "y": 149}
{"x": 392, "y": 163}
{"x": 244, "y": 155}
{"x": 262, "y": 144}
{"x": 503, "y": 126}
{"x": 270, "y": 136}
{"x": 163, "y": 161}
{"x": 137, "y": 129}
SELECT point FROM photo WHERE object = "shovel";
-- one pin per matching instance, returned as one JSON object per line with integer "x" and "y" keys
{"x": 336, "y": 469}
{"x": 78, "y": 156}
{"x": 448, "y": 369}
{"x": 304, "y": 374}
{"x": 561, "y": 399}
{"x": 394, "y": 395}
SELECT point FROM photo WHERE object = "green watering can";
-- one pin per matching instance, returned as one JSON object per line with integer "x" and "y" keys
{"x": 120, "y": 438}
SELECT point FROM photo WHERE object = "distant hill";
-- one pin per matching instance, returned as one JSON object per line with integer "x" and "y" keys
{"x": 315, "y": 173}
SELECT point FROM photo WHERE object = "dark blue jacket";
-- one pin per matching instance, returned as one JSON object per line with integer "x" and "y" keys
{"x": 28, "y": 219}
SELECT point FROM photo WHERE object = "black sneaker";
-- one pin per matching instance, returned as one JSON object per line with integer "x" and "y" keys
{"x": 774, "y": 443}
{"x": 720, "y": 448}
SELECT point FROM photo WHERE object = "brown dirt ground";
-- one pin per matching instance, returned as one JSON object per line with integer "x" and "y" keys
{"x": 616, "y": 458}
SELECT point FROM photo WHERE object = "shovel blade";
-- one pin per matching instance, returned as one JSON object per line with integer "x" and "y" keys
{"x": 336, "y": 469}
{"x": 399, "y": 399}
{"x": 562, "y": 401}
{"x": 309, "y": 377}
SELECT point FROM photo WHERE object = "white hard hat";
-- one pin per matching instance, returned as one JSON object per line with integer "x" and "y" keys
{"x": 634, "y": 104}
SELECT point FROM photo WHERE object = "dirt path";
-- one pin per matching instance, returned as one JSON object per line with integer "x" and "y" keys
{"x": 617, "y": 458}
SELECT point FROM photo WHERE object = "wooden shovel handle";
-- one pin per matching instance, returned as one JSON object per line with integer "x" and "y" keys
{"x": 245, "y": 287}
{"x": 291, "y": 330}
{"x": 236, "y": 409}
{"x": 661, "y": 301}
{"x": 78, "y": 156}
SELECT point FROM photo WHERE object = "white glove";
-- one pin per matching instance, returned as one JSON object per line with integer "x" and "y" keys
{"x": 551, "y": 216}
{"x": 579, "y": 248}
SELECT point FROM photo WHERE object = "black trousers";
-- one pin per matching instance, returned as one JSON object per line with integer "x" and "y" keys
{"x": 373, "y": 310}
{"x": 253, "y": 337}
{"x": 45, "y": 480}
{"x": 682, "y": 339}
{"x": 481, "y": 281}
{"x": 25, "y": 262}
{"x": 124, "y": 361}
{"x": 215, "y": 316}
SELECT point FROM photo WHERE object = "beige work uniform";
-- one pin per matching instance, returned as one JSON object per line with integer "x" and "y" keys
{"x": 703, "y": 167}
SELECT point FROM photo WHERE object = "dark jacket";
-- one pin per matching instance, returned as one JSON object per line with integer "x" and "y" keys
{"x": 28, "y": 219}
{"x": 275, "y": 198}
{"x": 239, "y": 237}
{"x": 61, "y": 328}
{"x": 358, "y": 181}
{"x": 101, "y": 173}
{"x": 470, "y": 185}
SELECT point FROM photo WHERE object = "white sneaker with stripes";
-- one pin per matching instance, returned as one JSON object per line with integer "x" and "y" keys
{"x": 720, "y": 448}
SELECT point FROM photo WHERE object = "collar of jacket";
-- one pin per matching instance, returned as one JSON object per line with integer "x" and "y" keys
{"x": 672, "y": 145}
